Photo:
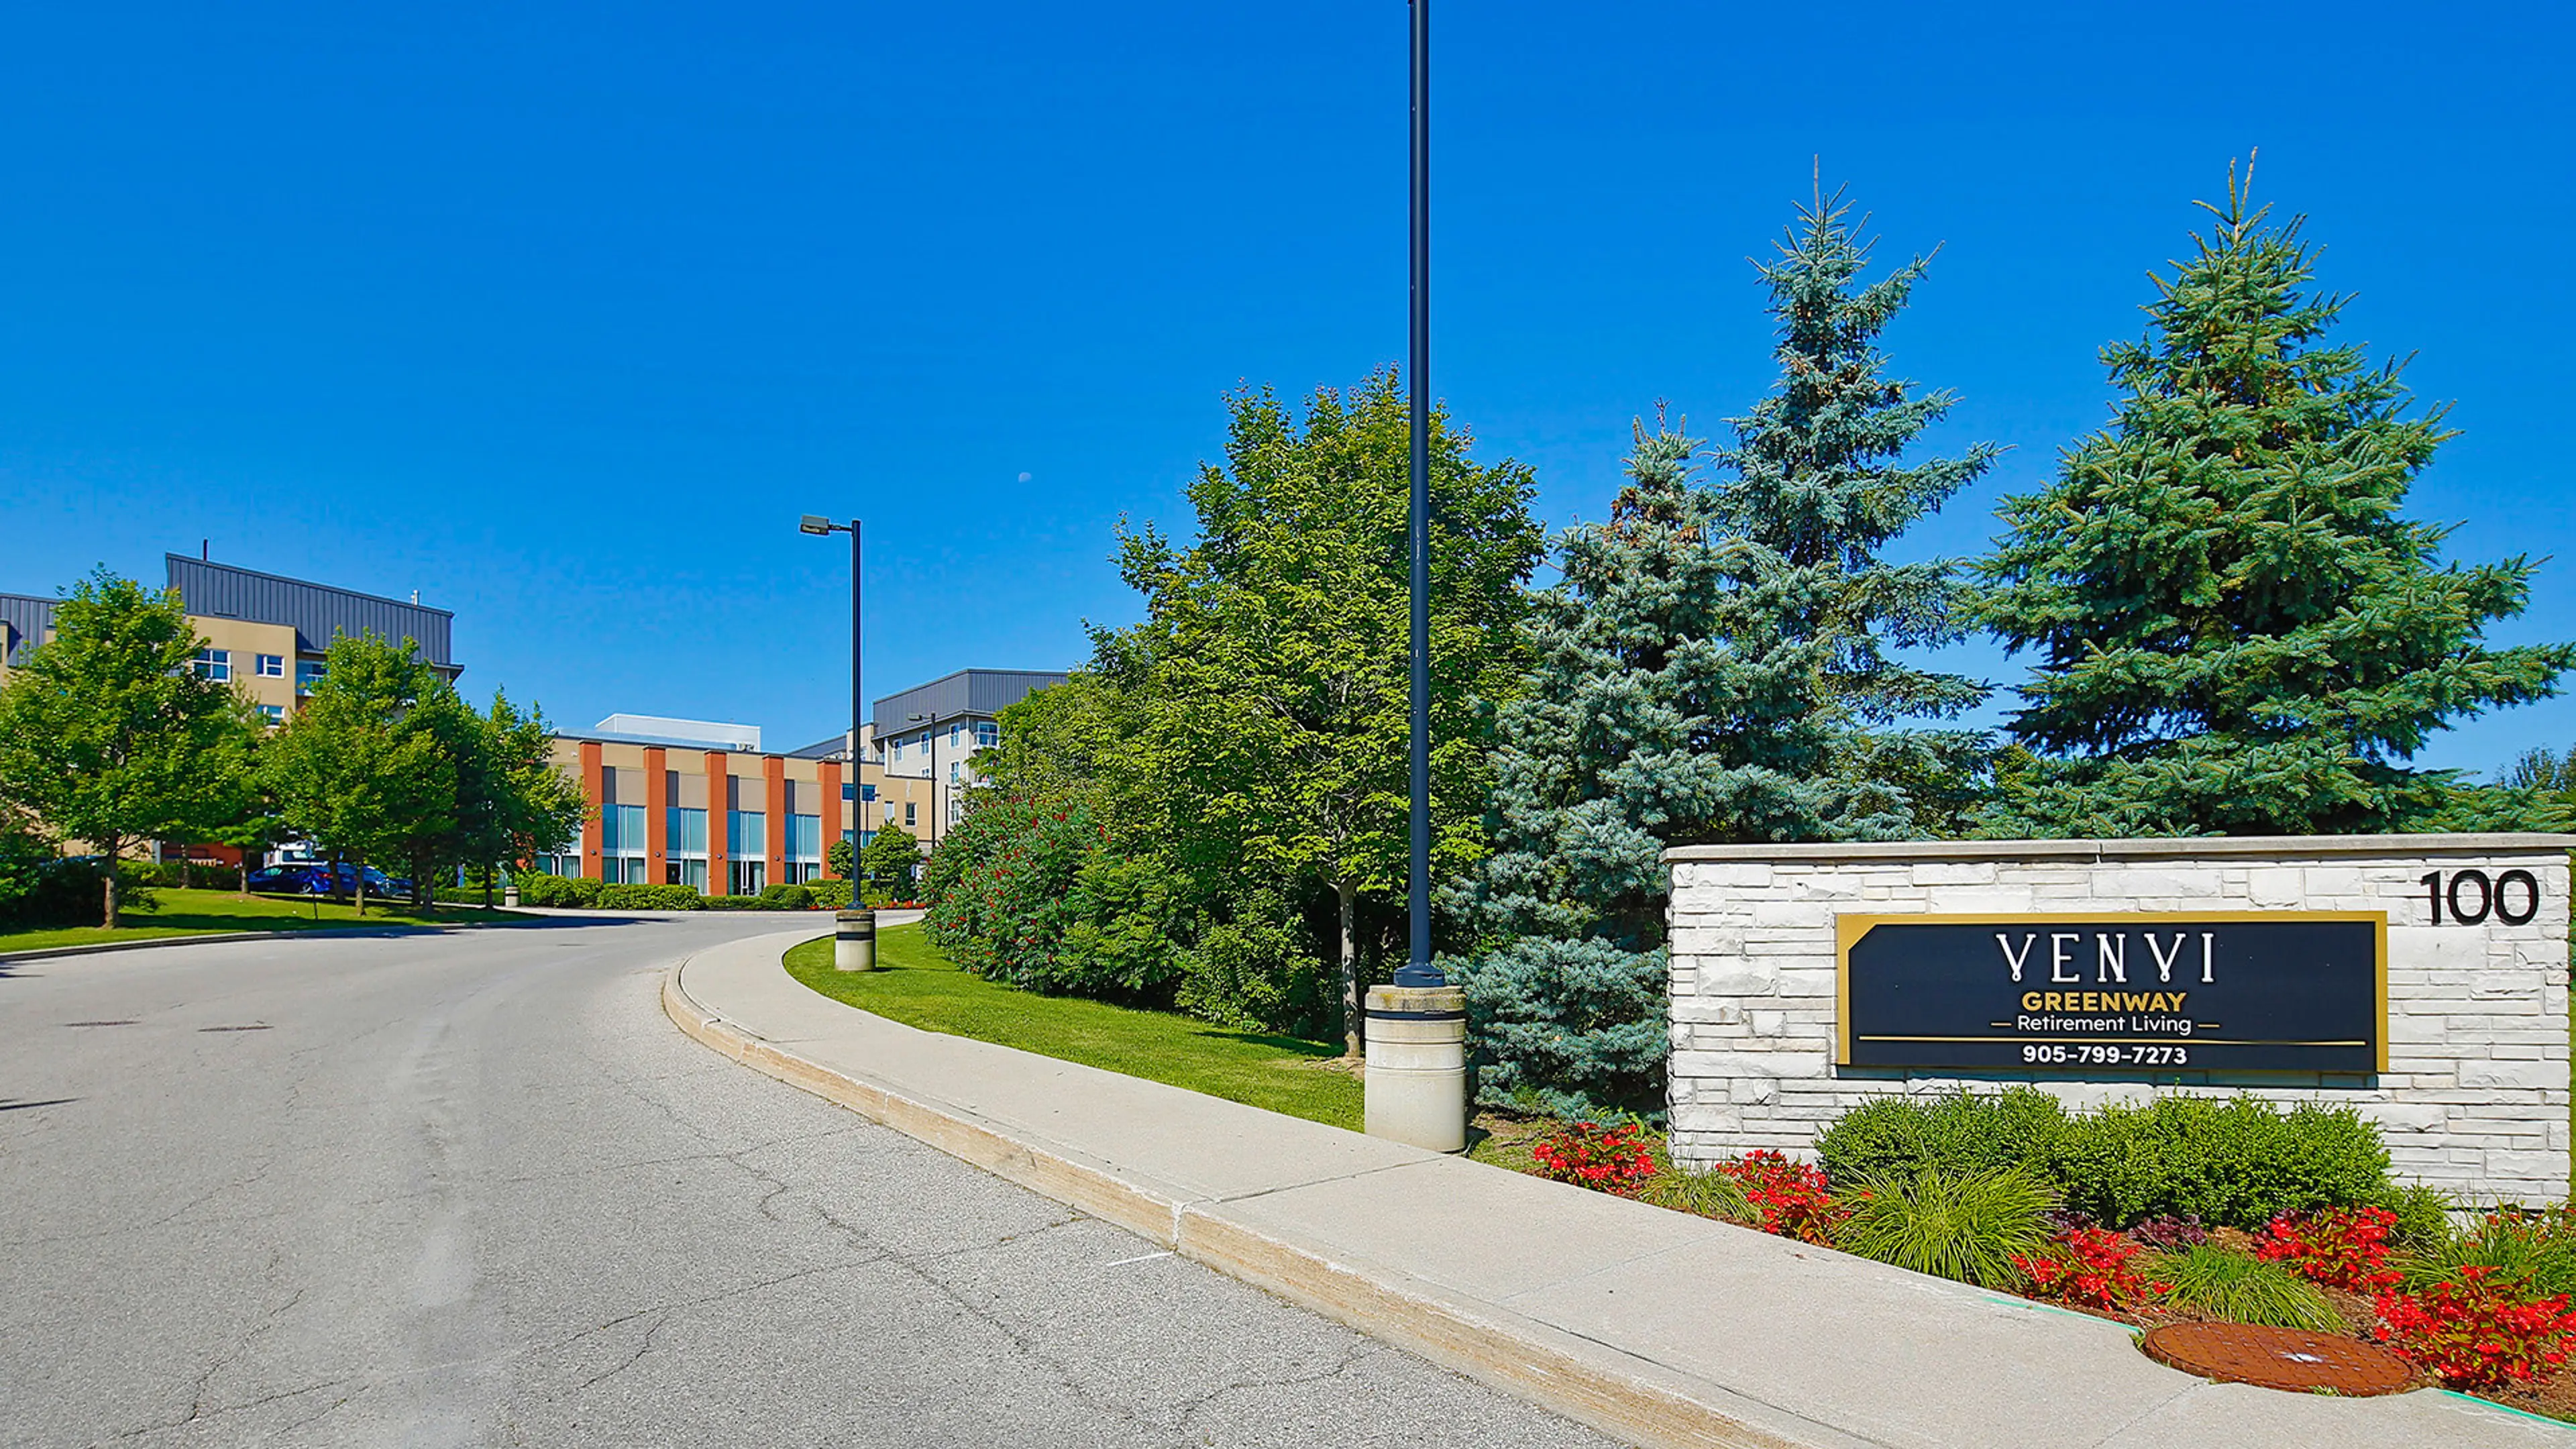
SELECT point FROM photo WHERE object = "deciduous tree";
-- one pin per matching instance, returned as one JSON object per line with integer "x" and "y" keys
{"x": 109, "y": 732}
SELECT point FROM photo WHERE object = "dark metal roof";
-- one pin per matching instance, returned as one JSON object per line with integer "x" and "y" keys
{"x": 317, "y": 612}
{"x": 24, "y": 618}
{"x": 966, "y": 693}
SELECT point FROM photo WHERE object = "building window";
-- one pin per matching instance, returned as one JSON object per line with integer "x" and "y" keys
{"x": 908, "y": 817}
{"x": 746, "y": 833}
{"x": 956, "y": 735}
{"x": 684, "y": 832}
{"x": 747, "y": 877}
{"x": 805, "y": 837}
{"x": 952, "y": 772}
{"x": 308, "y": 673}
{"x": 270, "y": 666}
{"x": 214, "y": 664}
{"x": 952, "y": 812}
{"x": 987, "y": 734}
{"x": 621, "y": 829}
{"x": 869, "y": 792}
{"x": 864, "y": 837}
{"x": 275, "y": 714}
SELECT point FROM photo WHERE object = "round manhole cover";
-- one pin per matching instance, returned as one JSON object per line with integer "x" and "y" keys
{"x": 2278, "y": 1358}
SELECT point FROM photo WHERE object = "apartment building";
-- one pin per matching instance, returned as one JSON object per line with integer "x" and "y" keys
{"x": 263, "y": 633}
{"x": 933, "y": 731}
{"x": 702, "y": 804}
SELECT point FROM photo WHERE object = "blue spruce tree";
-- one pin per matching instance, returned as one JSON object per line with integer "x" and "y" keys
{"x": 1714, "y": 667}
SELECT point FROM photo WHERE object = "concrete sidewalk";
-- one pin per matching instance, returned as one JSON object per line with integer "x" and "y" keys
{"x": 1652, "y": 1325}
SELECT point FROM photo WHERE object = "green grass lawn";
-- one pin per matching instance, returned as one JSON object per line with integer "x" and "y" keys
{"x": 916, "y": 985}
{"x": 207, "y": 913}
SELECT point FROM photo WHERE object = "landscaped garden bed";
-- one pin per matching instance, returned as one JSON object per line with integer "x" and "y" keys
{"x": 2180, "y": 1211}
{"x": 2183, "y": 1210}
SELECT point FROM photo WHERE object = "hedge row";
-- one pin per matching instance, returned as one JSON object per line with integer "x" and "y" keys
{"x": 537, "y": 889}
{"x": 2232, "y": 1162}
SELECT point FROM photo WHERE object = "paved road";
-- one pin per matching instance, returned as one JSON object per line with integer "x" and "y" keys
{"x": 475, "y": 1189}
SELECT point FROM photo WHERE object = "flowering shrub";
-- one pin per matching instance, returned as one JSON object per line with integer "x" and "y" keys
{"x": 2089, "y": 1268}
{"x": 2343, "y": 1248}
{"x": 1791, "y": 1196}
{"x": 1587, "y": 1154}
{"x": 2478, "y": 1331}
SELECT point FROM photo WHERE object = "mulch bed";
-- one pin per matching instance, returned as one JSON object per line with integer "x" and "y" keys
{"x": 1503, "y": 1139}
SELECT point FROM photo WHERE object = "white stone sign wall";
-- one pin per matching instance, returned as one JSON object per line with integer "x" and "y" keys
{"x": 2475, "y": 1095}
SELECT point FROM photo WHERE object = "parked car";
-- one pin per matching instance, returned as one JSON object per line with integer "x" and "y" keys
{"x": 320, "y": 878}
{"x": 296, "y": 879}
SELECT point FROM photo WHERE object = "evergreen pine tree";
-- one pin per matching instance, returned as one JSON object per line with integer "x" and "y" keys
{"x": 2237, "y": 631}
{"x": 1713, "y": 668}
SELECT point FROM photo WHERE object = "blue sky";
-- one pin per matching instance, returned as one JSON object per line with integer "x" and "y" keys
{"x": 561, "y": 314}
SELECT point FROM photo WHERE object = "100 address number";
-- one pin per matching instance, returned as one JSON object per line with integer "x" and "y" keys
{"x": 2087, "y": 1054}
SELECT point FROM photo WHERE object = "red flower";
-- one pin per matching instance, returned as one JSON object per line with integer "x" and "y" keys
{"x": 2089, "y": 1268}
{"x": 2478, "y": 1331}
{"x": 1605, "y": 1159}
{"x": 2344, "y": 1247}
{"x": 1793, "y": 1198}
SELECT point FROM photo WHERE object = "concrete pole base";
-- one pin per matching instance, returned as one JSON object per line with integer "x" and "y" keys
{"x": 854, "y": 941}
{"x": 1415, "y": 1088}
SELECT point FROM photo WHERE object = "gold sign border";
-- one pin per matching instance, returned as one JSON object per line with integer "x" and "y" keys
{"x": 1848, "y": 931}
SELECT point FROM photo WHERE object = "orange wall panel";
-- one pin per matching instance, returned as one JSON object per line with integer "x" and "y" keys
{"x": 593, "y": 789}
{"x": 719, "y": 865}
{"x": 657, "y": 807}
{"x": 829, "y": 781}
{"x": 773, "y": 775}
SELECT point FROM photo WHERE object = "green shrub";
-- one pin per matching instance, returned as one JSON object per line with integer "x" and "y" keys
{"x": 1964, "y": 1226}
{"x": 734, "y": 903}
{"x": 2232, "y": 1163}
{"x": 647, "y": 898}
{"x": 831, "y": 895}
{"x": 1953, "y": 1132}
{"x": 2212, "y": 1280}
{"x": 536, "y": 888}
{"x": 782, "y": 896}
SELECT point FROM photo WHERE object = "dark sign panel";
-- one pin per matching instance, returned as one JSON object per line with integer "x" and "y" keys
{"x": 2300, "y": 991}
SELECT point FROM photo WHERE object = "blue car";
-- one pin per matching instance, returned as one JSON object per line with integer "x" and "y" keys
{"x": 319, "y": 878}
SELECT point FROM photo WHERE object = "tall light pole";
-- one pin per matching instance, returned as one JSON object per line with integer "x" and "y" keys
{"x": 932, "y": 719}
{"x": 823, "y": 528}
{"x": 1418, "y": 969}
{"x": 1416, "y": 1085}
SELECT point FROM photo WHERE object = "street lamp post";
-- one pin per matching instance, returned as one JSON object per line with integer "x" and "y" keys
{"x": 823, "y": 528}
{"x": 1415, "y": 1090}
{"x": 932, "y": 719}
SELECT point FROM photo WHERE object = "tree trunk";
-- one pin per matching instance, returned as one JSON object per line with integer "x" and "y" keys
{"x": 245, "y": 872}
{"x": 185, "y": 879}
{"x": 487, "y": 887}
{"x": 113, "y": 845}
{"x": 1354, "y": 1041}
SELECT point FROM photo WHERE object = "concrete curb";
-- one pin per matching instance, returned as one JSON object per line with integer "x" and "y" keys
{"x": 203, "y": 938}
{"x": 1657, "y": 1328}
{"x": 1611, "y": 1391}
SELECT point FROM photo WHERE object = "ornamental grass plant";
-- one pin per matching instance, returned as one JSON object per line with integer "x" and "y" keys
{"x": 1968, "y": 1227}
{"x": 2226, "y": 1284}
